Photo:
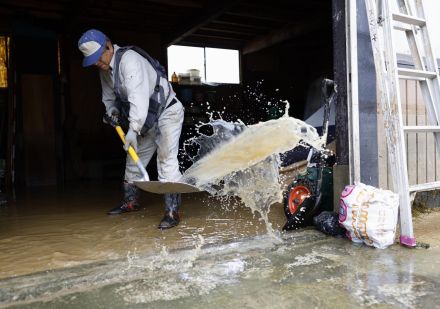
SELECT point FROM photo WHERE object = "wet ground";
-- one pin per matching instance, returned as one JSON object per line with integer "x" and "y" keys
{"x": 62, "y": 251}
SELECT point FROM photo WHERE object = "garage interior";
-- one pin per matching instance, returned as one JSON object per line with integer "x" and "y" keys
{"x": 51, "y": 128}
{"x": 61, "y": 167}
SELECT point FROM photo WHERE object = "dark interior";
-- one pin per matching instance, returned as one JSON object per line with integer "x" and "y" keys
{"x": 51, "y": 113}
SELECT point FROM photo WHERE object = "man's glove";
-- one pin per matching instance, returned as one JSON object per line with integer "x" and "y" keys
{"x": 131, "y": 140}
{"x": 113, "y": 113}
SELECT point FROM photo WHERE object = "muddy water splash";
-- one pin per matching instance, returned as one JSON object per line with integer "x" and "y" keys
{"x": 243, "y": 161}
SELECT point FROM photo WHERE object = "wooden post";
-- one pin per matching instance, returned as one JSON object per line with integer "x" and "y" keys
{"x": 340, "y": 77}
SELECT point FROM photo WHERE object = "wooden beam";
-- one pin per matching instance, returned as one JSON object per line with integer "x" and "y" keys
{"x": 211, "y": 42}
{"x": 285, "y": 6}
{"x": 260, "y": 18}
{"x": 99, "y": 14}
{"x": 214, "y": 9}
{"x": 229, "y": 31}
{"x": 179, "y": 3}
{"x": 280, "y": 35}
{"x": 133, "y": 25}
{"x": 11, "y": 120}
{"x": 201, "y": 35}
{"x": 243, "y": 24}
{"x": 123, "y": 9}
{"x": 32, "y": 5}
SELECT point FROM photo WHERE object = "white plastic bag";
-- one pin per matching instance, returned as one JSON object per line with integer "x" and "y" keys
{"x": 369, "y": 214}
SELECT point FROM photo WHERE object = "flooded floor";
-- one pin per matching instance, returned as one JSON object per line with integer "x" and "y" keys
{"x": 63, "y": 251}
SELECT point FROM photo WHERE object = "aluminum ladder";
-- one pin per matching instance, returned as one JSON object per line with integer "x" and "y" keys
{"x": 411, "y": 20}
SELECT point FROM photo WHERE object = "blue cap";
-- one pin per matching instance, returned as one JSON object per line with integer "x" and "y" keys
{"x": 92, "y": 44}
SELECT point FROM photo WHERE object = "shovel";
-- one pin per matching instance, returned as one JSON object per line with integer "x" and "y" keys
{"x": 145, "y": 184}
{"x": 131, "y": 151}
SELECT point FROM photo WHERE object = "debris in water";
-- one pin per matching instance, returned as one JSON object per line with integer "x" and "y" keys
{"x": 328, "y": 223}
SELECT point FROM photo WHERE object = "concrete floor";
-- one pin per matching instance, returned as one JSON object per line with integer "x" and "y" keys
{"x": 62, "y": 251}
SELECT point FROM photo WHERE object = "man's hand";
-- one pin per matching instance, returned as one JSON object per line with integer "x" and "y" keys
{"x": 113, "y": 113}
{"x": 131, "y": 140}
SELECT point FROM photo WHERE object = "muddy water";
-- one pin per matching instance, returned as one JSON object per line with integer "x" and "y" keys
{"x": 305, "y": 270}
{"x": 62, "y": 251}
{"x": 253, "y": 145}
{"x": 45, "y": 230}
{"x": 246, "y": 165}
{"x": 48, "y": 230}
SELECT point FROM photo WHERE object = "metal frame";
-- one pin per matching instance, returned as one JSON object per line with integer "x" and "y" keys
{"x": 353, "y": 92}
{"x": 382, "y": 22}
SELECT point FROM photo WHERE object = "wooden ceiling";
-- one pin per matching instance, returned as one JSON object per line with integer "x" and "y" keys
{"x": 246, "y": 24}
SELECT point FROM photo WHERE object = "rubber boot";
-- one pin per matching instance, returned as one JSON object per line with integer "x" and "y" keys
{"x": 172, "y": 205}
{"x": 130, "y": 201}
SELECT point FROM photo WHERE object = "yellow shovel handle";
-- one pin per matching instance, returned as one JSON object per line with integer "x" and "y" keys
{"x": 133, "y": 154}
{"x": 131, "y": 150}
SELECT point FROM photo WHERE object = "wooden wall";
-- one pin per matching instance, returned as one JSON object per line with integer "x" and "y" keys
{"x": 38, "y": 129}
{"x": 423, "y": 160}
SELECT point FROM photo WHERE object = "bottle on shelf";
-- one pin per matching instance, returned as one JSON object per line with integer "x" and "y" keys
{"x": 174, "y": 78}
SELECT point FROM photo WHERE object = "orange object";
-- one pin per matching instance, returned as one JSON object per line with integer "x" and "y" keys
{"x": 296, "y": 197}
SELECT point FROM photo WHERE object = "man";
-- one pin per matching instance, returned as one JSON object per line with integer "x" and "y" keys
{"x": 136, "y": 92}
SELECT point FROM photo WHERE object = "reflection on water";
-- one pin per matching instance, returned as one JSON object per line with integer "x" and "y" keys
{"x": 65, "y": 252}
{"x": 306, "y": 270}
{"x": 47, "y": 230}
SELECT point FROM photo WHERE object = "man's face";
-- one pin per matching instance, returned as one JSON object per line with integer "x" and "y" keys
{"x": 104, "y": 62}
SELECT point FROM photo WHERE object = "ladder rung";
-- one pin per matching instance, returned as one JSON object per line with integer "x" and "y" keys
{"x": 407, "y": 19}
{"x": 425, "y": 186}
{"x": 402, "y": 27}
{"x": 421, "y": 129}
{"x": 416, "y": 74}
{"x": 412, "y": 78}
